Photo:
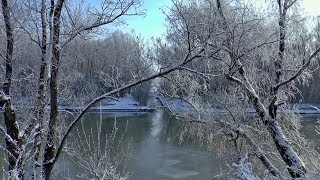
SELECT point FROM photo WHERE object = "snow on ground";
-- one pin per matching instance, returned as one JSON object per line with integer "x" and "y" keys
{"x": 125, "y": 106}
{"x": 178, "y": 105}
{"x": 125, "y": 103}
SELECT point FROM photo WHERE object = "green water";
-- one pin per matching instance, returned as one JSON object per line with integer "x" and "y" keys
{"x": 156, "y": 151}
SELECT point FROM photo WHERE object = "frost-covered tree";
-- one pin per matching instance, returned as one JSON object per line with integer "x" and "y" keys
{"x": 258, "y": 57}
{"x": 38, "y": 142}
{"x": 102, "y": 65}
{"x": 216, "y": 55}
{"x": 51, "y": 25}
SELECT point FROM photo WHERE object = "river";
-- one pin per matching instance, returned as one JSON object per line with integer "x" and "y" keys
{"x": 156, "y": 153}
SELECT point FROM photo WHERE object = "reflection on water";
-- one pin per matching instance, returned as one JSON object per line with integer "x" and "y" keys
{"x": 308, "y": 129}
{"x": 156, "y": 123}
{"x": 157, "y": 154}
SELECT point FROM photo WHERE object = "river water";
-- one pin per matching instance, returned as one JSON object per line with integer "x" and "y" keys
{"x": 156, "y": 152}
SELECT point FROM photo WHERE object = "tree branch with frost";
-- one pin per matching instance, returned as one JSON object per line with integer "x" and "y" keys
{"x": 257, "y": 47}
{"x": 185, "y": 23}
{"x": 299, "y": 72}
{"x": 251, "y": 94}
{"x": 260, "y": 155}
{"x": 244, "y": 170}
{"x": 295, "y": 167}
{"x": 121, "y": 8}
{"x": 9, "y": 138}
{"x": 206, "y": 75}
{"x": 257, "y": 151}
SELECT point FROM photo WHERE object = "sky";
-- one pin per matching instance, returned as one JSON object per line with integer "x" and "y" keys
{"x": 153, "y": 24}
{"x": 311, "y": 6}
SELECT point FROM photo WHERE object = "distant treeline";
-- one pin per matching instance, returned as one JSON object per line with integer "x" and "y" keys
{"x": 89, "y": 68}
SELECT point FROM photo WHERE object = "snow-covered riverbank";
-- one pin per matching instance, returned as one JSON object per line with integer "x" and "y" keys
{"x": 125, "y": 104}
{"x": 129, "y": 105}
{"x": 180, "y": 106}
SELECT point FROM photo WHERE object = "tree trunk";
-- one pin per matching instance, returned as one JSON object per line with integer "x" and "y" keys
{"x": 13, "y": 141}
{"x": 50, "y": 148}
{"x": 13, "y": 144}
{"x": 40, "y": 103}
{"x": 295, "y": 166}
{"x": 9, "y": 48}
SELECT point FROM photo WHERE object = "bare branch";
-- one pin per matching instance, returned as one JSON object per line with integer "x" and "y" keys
{"x": 101, "y": 20}
{"x": 299, "y": 72}
{"x": 106, "y": 95}
{"x": 207, "y": 75}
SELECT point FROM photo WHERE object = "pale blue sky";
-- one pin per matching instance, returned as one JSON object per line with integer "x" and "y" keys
{"x": 153, "y": 24}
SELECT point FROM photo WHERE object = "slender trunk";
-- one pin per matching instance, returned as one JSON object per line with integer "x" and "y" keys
{"x": 50, "y": 147}
{"x": 9, "y": 48}
{"x": 49, "y": 57}
{"x": 40, "y": 103}
{"x": 13, "y": 144}
{"x": 281, "y": 49}
{"x": 278, "y": 61}
{"x": 43, "y": 67}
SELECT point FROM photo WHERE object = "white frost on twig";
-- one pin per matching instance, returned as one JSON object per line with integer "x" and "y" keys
{"x": 243, "y": 170}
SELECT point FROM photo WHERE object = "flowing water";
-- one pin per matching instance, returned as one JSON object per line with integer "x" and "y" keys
{"x": 156, "y": 153}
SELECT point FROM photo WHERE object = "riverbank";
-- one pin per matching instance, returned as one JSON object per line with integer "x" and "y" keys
{"x": 180, "y": 106}
{"x": 123, "y": 105}
{"x": 130, "y": 106}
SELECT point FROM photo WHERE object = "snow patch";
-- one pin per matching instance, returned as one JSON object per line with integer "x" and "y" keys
{"x": 125, "y": 103}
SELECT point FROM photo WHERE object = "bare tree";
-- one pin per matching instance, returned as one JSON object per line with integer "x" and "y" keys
{"x": 40, "y": 130}
{"x": 209, "y": 43}
{"x": 296, "y": 167}
{"x": 248, "y": 54}
{"x": 107, "y": 16}
{"x": 13, "y": 141}
{"x": 110, "y": 12}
